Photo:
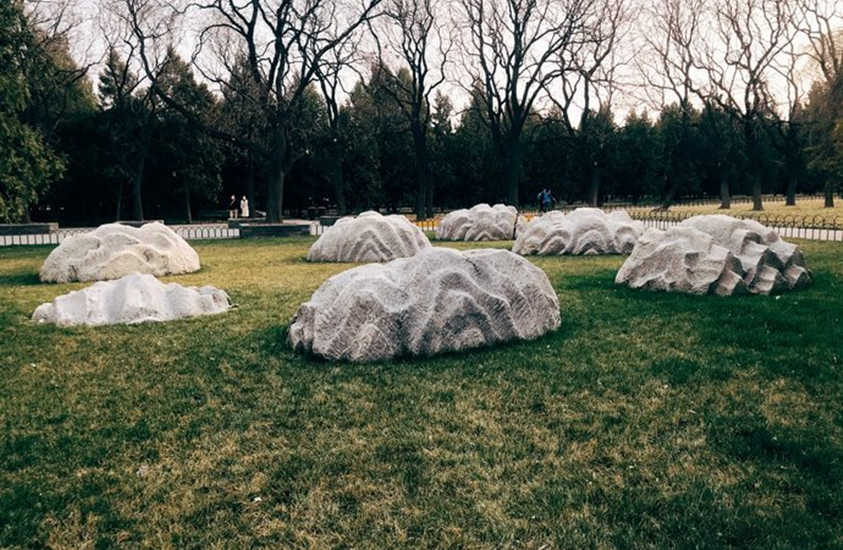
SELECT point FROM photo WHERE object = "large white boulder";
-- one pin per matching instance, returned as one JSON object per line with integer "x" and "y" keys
{"x": 481, "y": 222}
{"x": 134, "y": 298}
{"x": 436, "y": 301}
{"x": 114, "y": 250}
{"x": 714, "y": 255}
{"x": 369, "y": 237}
{"x": 582, "y": 231}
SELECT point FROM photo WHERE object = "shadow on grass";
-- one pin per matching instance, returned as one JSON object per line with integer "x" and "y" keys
{"x": 273, "y": 341}
{"x": 26, "y": 278}
{"x": 749, "y": 438}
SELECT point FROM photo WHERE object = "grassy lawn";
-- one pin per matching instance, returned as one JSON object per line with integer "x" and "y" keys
{"x": 647, "y": 421}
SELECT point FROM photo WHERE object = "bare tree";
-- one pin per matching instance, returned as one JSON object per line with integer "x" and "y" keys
{"x": 673, "y": 31}
{"x": 513, "y": 47}
{"x": 588, "y": 70}
{"x": 331, "y": 74}
{"x": 723, "y": 52}
{"x": 56, "y": 26}
{"x": 787, "y": 120}
{"x": 414, "y": 33}
{"x": 283, "y": 44}
{"x": 821, "y": 22}
{"x": 747, "y": 38}
{"x": 127, "y": 90}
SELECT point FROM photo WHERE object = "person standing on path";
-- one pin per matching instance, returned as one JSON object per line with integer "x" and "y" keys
{"x": 547, "y": 200}
{"x": 232, "y": 207}
{"x": 244, "y": 207}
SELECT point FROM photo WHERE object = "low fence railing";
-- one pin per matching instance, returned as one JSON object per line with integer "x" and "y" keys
{"x": 653, "y": 202}
{"x": 788, "y": 226}
{"x": 188, "y": 232}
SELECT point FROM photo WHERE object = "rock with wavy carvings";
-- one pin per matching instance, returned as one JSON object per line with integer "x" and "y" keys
{"x": 714, "y": 255}
{"x": 769, "y": 263}
{"x": 481, "y": 222}
{"x": 436, "y": 301}
{"x": 134, "y": 298}
{"x": 114, "y": 250}
{"x": 582, "y": 231}
{"x": 369, "y": 237}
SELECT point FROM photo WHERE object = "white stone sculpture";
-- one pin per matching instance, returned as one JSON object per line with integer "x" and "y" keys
{"x": 436, "y": 301}
{"x": 114, "y": 250}
{"x": 134, "y": 298}
{"x": 481, "y": 222}
{"x": 369, "y": 237}
{"x": 714, "y": 254}
{"x": 582, "y": 231}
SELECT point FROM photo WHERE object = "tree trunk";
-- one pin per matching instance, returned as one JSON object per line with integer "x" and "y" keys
{"x": 754, "y": 157}
{"x": 512, "y": 171}
{"x": 337, "y": 180}
{"x": 119, "y": 201}
{"x": 791, "y": 191}
{"x": 421, "y": 193}
{"x": 725, "y": 195}
{"x": 429, "y": 198}
{"x": 275, "y": 182}
{"x": 422, "y": 181}
{"x": 829, "y": 194}
{"x": 594, "y": 187}
{"x": 187, "y": 203}
{"x": 275, "y": 194}
{"x": 250, "y": 183}
{"x": 756, "y": 193}
{"x": 137, "y": 183}
{"x": 670, "y": 197}
{"x": 338, "y": 184}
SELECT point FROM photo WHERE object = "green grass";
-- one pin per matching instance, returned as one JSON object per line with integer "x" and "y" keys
{"x": 647, "y": 421}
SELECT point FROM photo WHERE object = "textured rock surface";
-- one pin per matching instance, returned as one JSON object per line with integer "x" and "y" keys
{"x": 369, "y": 237}
{"x": 481, "y": 222}
{"x": 437, "y": 301}
{"x": 114, "y": 250}
{"x": 135, "y": 298}
{"x": 583, "y": 231}
{"x": 714, "y": 255}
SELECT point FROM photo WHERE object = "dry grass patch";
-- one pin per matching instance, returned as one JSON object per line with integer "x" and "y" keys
{"x": 804, "y": 208}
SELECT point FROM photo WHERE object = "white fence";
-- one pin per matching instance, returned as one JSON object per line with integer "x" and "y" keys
{"x": 209, "y": 231}
{"x": 195, "y": 232}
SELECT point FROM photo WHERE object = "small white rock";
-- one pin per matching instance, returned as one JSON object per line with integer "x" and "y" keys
{"x": 135, "y": 298}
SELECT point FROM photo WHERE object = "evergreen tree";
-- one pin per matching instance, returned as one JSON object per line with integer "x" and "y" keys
{"x": 27, "y": 163}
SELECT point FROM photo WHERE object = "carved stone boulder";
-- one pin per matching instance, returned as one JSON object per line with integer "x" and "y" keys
{"x": 369, "y": 237}
{"x": 114, "y": 250}
{"x": 135, "y": 298}
{"x": 481, "y": 222}
{"x": 582, "y": 231}
{"x": 436, "y": 301}
{"x": 714, "y": 254}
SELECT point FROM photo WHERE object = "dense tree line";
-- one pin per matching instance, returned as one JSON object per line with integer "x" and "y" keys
{"x": 313, "y": 117}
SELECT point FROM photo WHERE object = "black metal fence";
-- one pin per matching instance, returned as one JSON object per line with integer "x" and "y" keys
{"x": 789, "y": 226}
{"x": 653, "y": 202}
